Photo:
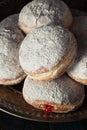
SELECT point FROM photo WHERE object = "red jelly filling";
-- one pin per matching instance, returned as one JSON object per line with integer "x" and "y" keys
{"x": 48, "y": 109}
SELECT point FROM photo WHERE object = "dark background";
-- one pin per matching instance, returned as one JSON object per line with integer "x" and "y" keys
{"x": 8, "y": 7}
{"x": 8, "y": 122}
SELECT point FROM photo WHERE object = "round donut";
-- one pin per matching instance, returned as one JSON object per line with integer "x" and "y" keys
{"x": 78, "y": 70}
{"x": 10, "y": 40}
{"x": 47, "y": 52}
{"x": 42, "y": 12}
{"x": 60, "y": 95}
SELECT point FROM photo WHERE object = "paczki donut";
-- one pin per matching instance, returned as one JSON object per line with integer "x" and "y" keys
{"x": 42, "y": 12}
{"x": 47, "y": 52}
{"x": 10, "y": 40}
{"x": 78, "y": 70}
{"x": 60, "y": 95}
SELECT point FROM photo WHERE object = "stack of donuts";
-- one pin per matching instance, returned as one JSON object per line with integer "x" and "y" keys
{"x": 48, "y": 47}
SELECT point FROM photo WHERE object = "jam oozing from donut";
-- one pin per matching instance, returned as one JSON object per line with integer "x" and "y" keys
{"x": 48, "y": 109}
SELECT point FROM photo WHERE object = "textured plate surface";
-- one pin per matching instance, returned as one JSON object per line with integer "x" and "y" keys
{"x": 11, "y": 100}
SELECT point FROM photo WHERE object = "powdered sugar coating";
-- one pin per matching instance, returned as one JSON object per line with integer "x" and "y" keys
{"x": 62, "y": 91}
{"x": 10, "y": 40}
{"x": 42, "y": 12}
{"x": 44, "y": 47}
{"x": 79, "y": 67}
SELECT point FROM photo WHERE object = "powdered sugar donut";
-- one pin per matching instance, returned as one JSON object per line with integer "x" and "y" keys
{"x": 78, "y": 70}
{"x": 47, "y": 52}
{"x": 10, "y": 40}
{"x": 42, "y": 12}
{"x": 60, "y": 95}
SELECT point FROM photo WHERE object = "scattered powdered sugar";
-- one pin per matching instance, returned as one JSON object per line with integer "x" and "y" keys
{"x": 10, "y": 40}
{"x": 44, "y": 47}
{"x": 42, "y": 12}
{"x": 62, "y": 90}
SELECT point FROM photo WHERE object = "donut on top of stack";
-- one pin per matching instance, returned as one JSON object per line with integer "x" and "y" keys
{"x": 47, "y": 52}
{"x": 42, "y": 12}
{"x": 78, "y": 70}
{"x": 10, "y": 40}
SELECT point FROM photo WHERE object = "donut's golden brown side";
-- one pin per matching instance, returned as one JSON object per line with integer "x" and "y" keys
{"x": 76, "y": 78}
{"x": 40, "y": 104}
{"x": 13, "y": 81}
{"x": 67, "y": 22}
{"x": 59, "y": 69}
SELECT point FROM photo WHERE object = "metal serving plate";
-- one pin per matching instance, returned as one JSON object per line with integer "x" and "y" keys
{"x": 11, "y": 100}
